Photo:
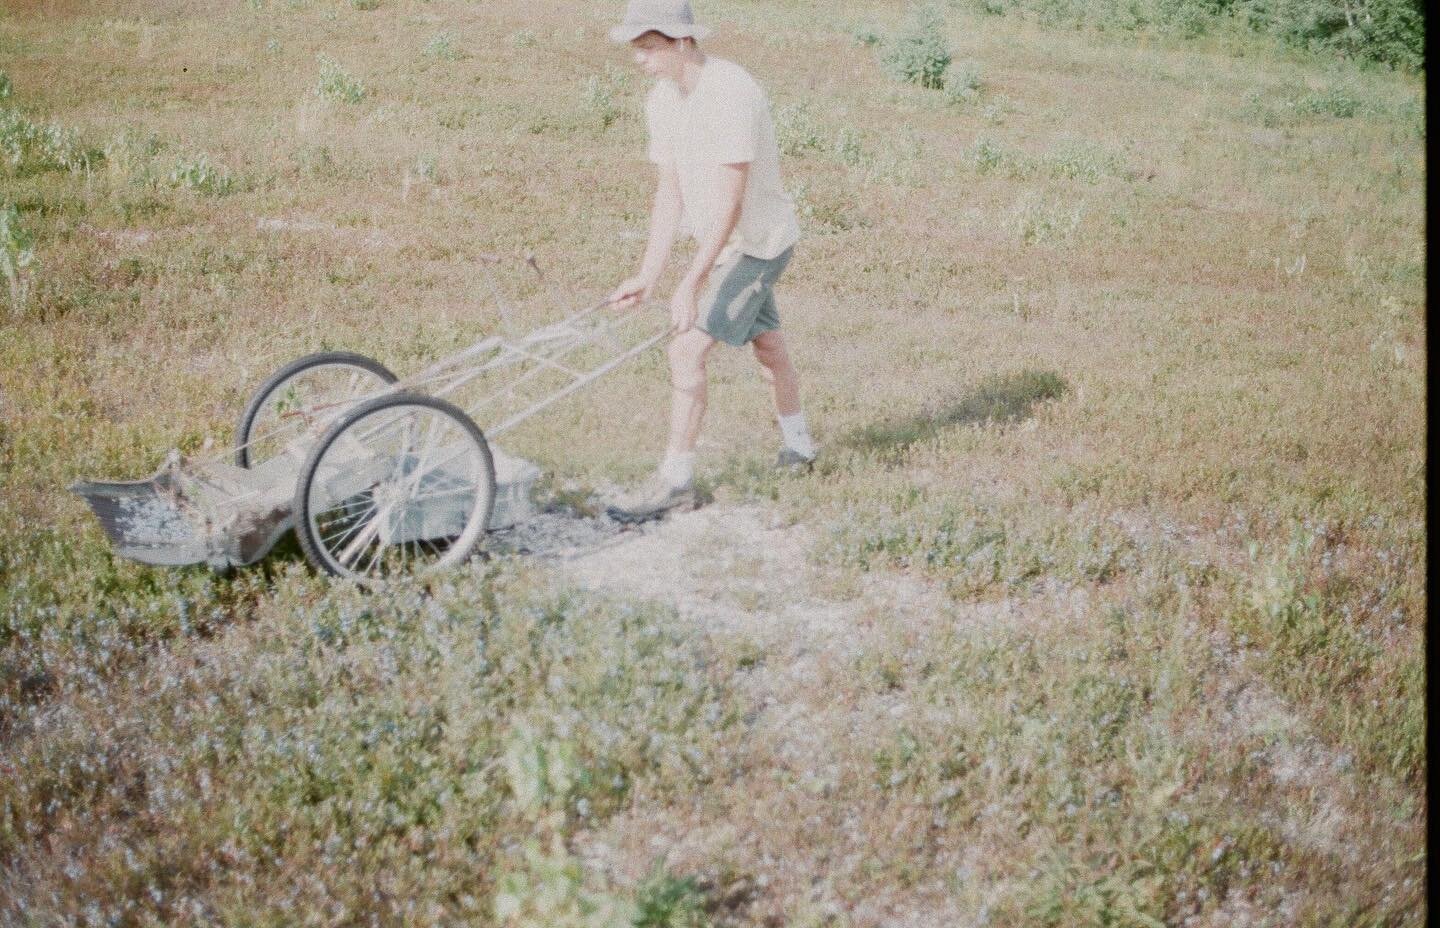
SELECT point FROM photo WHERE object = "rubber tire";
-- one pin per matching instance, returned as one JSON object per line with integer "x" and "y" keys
{"x": 318, "y": 359}
{"x": 301, "y": 506}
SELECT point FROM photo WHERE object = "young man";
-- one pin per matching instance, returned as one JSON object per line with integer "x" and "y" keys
{"x": 713, "y": 144}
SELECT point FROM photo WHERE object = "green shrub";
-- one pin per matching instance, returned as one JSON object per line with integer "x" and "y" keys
{"x": 920, "y": 54}
{"x": 6, "y": 88}
{"x": 336, "y": 84}
{"x": 1388, "y": 31}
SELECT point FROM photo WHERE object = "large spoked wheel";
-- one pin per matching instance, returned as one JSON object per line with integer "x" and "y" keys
{"x": 302, "y": 396}
{"x": 402, "y": 485}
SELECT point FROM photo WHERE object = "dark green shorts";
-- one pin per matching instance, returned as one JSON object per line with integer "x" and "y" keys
{"x": 739, "y": 304}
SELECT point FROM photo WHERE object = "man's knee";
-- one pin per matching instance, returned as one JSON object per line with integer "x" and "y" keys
{"x": 687, "y": 361}
{"x": 771, "y": 353}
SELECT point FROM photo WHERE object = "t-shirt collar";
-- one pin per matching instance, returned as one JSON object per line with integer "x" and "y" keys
{"x": 699, "y": 81}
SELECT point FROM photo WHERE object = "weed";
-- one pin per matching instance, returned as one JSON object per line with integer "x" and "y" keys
{"x": 920, "y": 54}
{"x": 1037, "y": 221}
{"x": 524, "y": 39}
{"x": 365, "y": 4}
{"x": 29, "y": 147}
{"x": 849, "y": 150}
{"x": 866, "y": 36}
{"x": 337, "y": 84}
{"x": 1332, "y": 101}
{"x": 199, "y": 175}
{"x": 6, "y": 88}
{"x": 663, "y": 900}
{"x": 551, "y": 892}
{"x": 962, "y": 83}
{"x": 987, "y": 155}
{"x": 599, "y": 96}
{"x": 425, "y": 168}
{"x": 1082, "y": 161}
{"x": 825, "y": 213}
{"x": 797, "y": 131}
{"x": 128, "y": 153}
{"x": 442, "y": 46}
{"x": 17, "y": 256}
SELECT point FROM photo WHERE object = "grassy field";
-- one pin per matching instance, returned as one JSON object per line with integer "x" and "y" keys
{"x": 1118, "y": 361}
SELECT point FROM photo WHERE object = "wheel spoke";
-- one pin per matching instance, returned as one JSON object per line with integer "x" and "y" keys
{"x": 431, "y": 501}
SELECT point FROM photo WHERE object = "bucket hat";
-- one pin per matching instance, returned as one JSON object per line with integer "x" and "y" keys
{"x": 668, "y": 17}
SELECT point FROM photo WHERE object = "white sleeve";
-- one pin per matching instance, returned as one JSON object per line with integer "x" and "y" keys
{"x": 733, "y": 130}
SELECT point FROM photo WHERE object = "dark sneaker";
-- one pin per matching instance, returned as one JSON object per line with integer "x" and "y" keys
{"x": 792, "y": 460}
{"x": 651, "y": 500}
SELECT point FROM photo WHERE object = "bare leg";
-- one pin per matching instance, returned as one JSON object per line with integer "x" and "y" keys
{"x": 688, "y": 352}
{"x": 775, "y": 362}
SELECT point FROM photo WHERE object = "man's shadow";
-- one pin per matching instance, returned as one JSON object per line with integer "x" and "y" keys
{"x": 999, "y": 398}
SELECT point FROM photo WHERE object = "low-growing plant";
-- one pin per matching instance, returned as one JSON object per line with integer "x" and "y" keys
{"x": 6, "y": 88}
{"x": 337, "y": 84}
{"x": 600, "y": 96}
{"x": 425, "y": 168}
{"x": 797, "y": 131}
{"x": 664, "y": 900}
{"x": 1037, "y": 221}
{"x": 849, "y": 150}
{"x": 17, "y": 256}
{"x": 552, "y": 892}
{"x": 442, "y": 46}
{"x": 987, "y": 155}
{"x": 1082, "y": 161}
{"x": 962, "y": 82}
{"x": 867, "y": 36}
{"x": 30, "y": 147}
{"x": 1334, "y": 101}
{"x": 199, "y": 175}
{"x": 365, "y": 4}
{"x": 921, "y": 53}
{"x": 128, "y": 153}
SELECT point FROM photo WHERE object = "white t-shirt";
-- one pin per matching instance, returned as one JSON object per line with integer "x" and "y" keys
{"x": 724, "y": 120}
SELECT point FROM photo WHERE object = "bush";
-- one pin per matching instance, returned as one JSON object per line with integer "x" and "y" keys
{"x": 920, "y": 54}
{"x": 1387, "y": 31}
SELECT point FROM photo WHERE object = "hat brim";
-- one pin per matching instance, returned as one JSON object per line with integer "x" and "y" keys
{"x": 628, "y": 32}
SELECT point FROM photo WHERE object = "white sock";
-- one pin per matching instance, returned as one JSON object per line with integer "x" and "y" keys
{"x": 796, "y": 434}
{"x": 678, "y": 468}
